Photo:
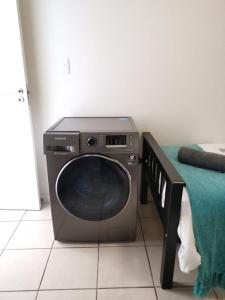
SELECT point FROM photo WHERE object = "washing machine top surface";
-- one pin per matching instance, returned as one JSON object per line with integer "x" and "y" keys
{"x": 95, "y": 124}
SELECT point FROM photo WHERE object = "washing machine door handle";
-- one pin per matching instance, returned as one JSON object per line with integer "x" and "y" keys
{"x": 60, "y": 150}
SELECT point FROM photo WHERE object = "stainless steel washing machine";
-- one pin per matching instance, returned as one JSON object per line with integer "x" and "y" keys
{"x": 92, "y": 168}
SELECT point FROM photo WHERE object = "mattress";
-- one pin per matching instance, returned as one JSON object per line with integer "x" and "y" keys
{"x": 189, "y": 258}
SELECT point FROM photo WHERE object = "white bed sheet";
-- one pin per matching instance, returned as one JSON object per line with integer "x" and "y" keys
{"x": 189, "y": 258}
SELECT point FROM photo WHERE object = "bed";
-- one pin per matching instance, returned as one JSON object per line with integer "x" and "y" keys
{"x": 169, "y": 193}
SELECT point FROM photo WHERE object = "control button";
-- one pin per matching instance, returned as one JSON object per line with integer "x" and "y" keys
{"x": 92, "y": 141}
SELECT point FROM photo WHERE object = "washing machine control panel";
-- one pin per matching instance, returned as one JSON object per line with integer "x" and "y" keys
{"x": 108, "y": 142}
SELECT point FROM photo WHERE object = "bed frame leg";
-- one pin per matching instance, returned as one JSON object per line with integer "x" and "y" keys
{"x": 168, "y": 262}
{"x": 170, "y": 237}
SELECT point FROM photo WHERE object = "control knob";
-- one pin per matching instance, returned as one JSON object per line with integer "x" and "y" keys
{"x": 92, "y": 141}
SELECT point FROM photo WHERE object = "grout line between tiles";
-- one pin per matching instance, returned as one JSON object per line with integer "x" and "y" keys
{"x": 47, "y": 248}
{"x": 18, "y": 249}
{"x": 96, "y": 295}
{"x": 10, "y": 221}
{"x": 217, "y": 296}
{"x": 37, "y": 220}
{"x": 122, "y": 245}
{"x": 22, "y": 216}
{"x": 149, "y": 264}
{"x": 156, "y": 295}
{"x": 44, "y": 269}
{"x": 126, "y": 287}
{"x": 80, "y": 289}
{"x": 17, "y": 291}
{"x": 101, "y": 288}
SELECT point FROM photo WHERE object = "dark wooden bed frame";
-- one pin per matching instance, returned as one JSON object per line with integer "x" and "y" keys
{"x": 155, "y": 165}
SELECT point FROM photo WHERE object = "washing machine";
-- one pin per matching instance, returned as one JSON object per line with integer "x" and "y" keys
{"x": 92, "y": 166}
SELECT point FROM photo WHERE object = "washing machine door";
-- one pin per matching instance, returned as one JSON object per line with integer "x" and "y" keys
{"x": 93, "y": 187}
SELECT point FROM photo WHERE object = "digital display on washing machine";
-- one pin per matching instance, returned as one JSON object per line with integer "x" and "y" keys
{"x": 116, "y": 141}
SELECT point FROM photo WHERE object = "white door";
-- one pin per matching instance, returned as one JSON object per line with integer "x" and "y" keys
{"x": 18, "y": 178}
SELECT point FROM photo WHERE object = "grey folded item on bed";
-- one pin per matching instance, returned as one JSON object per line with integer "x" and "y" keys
{"x": 202, "y": 159}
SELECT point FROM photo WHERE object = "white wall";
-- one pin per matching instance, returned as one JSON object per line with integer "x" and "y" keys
{"x": 160, "y": 61}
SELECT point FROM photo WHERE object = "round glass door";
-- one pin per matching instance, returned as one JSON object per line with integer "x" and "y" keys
{"x": 93, "y": 187}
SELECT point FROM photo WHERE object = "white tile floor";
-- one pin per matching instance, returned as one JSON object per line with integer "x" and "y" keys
{"x": 35, "y": 267}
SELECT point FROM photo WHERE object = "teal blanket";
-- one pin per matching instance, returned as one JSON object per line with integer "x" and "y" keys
{"x": 207, "y": 196}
